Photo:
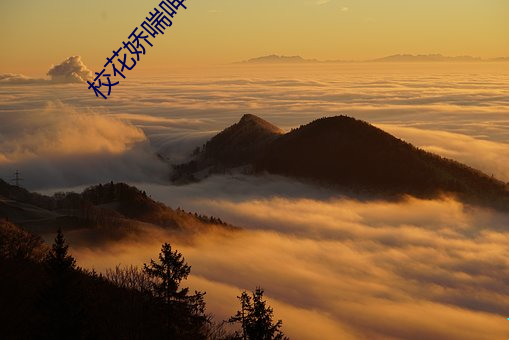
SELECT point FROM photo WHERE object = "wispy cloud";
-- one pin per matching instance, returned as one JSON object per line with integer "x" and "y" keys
{"x": 66, "y": 146}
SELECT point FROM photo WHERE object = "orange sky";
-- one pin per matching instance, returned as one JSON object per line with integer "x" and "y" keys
{"x": 36, "y": 34}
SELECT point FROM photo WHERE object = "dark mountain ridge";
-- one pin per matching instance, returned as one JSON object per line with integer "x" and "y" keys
{"x": 395, "y": 58}
{"x": 113, "y": 207}
{"x": 279, "y": 59}
{"x": 234, "y": 147}
{"x": 351, "y": 155}
{"x": 426, "y": 58}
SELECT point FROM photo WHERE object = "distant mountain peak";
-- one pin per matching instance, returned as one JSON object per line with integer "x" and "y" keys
{"x": 241, "y": 142}
{"x": 238, "y": 145}
{"x": 249, "y": 117}
{"x": 427, "y": 58}
{"x": 404, "y": 57}
{"x": 279, "y": 59}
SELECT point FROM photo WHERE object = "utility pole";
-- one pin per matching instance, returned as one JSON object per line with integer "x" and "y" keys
{"x": 17, "y": 178}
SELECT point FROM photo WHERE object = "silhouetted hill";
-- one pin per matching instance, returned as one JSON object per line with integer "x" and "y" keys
{"x": 276, "y": 59}
{"x": 426, "y": 58}
{"x": 396, "y": 58}
{"x": 235, "y": 146}
{"x": 19, "y": 194}
{"x": 500, "y": 59}
{"x": 359, "y": 158}
{"x": 115, "y": 208}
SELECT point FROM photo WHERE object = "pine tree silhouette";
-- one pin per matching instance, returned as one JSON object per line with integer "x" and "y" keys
{"x": 185, "y": 316}
{"x": 255, "y": 318}
{"x": 58, "y": 260}
{"x": 61, "y": 299}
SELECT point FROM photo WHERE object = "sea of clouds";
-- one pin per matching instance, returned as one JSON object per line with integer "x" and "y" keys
{"x": 331, "y": 266}
{"x": 457, "y": 111}
{"x": 336, "y": 268}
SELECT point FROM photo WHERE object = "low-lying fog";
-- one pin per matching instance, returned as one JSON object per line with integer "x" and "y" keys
{"x": 344, "y": 269}
{"x": 331, "y": 266}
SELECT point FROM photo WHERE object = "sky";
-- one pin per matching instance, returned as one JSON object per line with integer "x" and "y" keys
{"x": 37, "y": 34}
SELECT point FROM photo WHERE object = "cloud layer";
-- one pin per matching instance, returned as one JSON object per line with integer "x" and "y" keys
{"x": 344, "y": 269}
{"x": 420, "y": 269}
{"x": 459, "y": 111}
{"x": 66, "y": 146}
{"x": 6, "y": 78}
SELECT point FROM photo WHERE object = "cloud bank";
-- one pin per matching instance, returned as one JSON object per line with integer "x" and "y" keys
{"x": 458, "y": 113}
{"x": 6, "y": 78}
{"x": 339, "y": 268}
{"x": 61, "y": 129}
{"x": 184, "y": 109}
{"x": 67, "y": 146}
{"x": 71, "y": 70}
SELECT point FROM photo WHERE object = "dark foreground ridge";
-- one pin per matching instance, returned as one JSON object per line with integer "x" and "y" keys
{"x": 348, "y": 154}
{"x": 46, "y": 295}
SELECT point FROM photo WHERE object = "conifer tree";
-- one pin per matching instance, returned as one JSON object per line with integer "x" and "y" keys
{"x": 168, "y": 274}
{"x": 58, "y": 259}
{"x": 61, "y": 299}
{"x": 256, "y": 318}
{"x": 185, "y": 316}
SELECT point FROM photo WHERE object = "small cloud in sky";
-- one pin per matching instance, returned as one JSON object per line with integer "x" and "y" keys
{"x": 215, "y": 11}
{"x": 71, "y": 70}
{"x": 345, "y": 9}
{"x": 322, "y": 2}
